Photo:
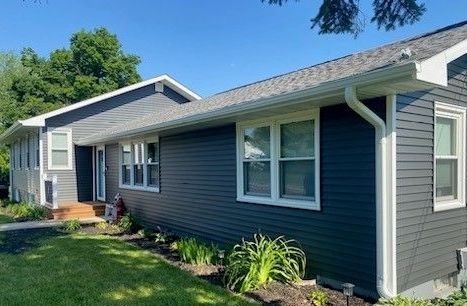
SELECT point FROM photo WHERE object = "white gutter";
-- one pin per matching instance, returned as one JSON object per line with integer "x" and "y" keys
{"x": 385, "y": 216}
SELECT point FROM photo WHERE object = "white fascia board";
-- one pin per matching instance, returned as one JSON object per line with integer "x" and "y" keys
{"x": 435, "y": 69}
{"x": 165, "y": 79}
{"x": 13, "y": 129}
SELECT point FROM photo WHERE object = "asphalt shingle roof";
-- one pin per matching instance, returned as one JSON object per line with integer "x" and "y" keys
{"x": 421, "y": 47}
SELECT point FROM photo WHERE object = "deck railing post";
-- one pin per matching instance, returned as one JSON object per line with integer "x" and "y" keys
{"x": 54, "y": 192}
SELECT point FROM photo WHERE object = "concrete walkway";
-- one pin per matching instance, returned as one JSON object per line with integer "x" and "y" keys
{"x": 42, "y": 224}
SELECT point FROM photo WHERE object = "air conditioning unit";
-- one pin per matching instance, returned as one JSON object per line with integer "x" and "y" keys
{"x": 462, "y": 258}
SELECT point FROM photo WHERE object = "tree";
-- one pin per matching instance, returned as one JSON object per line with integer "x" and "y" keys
{"x": 30, "y": 85}
{"x": 345, "y": 16}
{"x": 93, "y": 64}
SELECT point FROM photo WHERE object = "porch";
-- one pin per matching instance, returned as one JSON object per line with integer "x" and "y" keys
{"x": 76, "y": 210}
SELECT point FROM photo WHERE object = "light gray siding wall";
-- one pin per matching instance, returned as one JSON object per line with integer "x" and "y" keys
{"x": 76, "y": 184}
{"x": 198, "y": 196}
{"x": 26, "y": 181}
{"x": 426, "y": 240}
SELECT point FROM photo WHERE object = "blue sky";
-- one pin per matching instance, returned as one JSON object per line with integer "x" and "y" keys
{"x": 208, "y": 45}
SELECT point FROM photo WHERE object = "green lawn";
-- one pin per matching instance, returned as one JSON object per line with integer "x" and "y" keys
{"x": 78, "y": 269}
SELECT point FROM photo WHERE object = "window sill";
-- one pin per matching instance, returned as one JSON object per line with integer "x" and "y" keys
{"x": 308, "y": 205}
{"x": 447, "y": 205}
{"x": 59, "y": 169}
{"x": 139, "y": 188}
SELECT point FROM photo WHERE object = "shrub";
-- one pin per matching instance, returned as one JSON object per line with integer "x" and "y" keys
{"x": 195, "y": 252}
{"x": 319, "y": 297}
{"x": 128, "y": 223}
{"x": 404, "y": 301}
{"x": 253, "y": 264}
{"x": 27, "y": 211}
{"x": 71, "y": 225}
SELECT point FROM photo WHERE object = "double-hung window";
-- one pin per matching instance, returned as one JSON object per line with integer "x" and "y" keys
{"x": 138, "y": 169}
{"x": 152, "y": 164}
{"x": 139, "y": 163}
{"x": 278, "y": 161}
{"x": 59, "y": 150}
{"x": 449, "y": 146}
{"x": 126, "y": 164}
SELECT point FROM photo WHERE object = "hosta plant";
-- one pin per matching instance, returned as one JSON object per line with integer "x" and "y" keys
{"x": 319, "y": 298}
{"x": 255, "y": 264}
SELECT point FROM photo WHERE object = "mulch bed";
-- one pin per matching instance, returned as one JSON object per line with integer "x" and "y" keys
{"x": 276, "y": 294}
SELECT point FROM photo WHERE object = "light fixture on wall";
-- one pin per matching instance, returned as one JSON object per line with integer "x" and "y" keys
{"x": 347, "y": 289}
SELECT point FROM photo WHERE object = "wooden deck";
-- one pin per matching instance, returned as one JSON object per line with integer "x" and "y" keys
{"x": 78, "y": 210}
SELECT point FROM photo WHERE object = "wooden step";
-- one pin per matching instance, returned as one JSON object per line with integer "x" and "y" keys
{"x": 78, "y": 211}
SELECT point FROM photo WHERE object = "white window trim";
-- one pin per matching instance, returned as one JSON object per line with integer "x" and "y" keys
{"x": 458, "y": 113}
{"x": 27, "y": 154}
{"x": 36, "y": 147}
{"x": 20, "y": 156}
{"x": 132, "y": 185}
{"x": 69, "y": 149}
{"x": 152, "y": 163}
{"x": 275, "y": 122}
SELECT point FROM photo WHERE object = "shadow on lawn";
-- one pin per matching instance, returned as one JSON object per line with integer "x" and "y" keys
{"x": 97, "y": 270}
{"x": 17, "y": 242}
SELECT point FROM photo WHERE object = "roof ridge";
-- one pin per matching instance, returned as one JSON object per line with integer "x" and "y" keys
{"x": 407, "y": 39}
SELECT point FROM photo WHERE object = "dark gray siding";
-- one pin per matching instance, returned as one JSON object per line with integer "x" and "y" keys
{"x": 198, "y": 196}
{"x": 426, "y": 240}
{"x": 172, "y": 94}
{"x": 92, "y": 119}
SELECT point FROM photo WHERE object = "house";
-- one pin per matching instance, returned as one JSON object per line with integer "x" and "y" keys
{"x": 46, "y": 166}
{"x": 361, "y": 159}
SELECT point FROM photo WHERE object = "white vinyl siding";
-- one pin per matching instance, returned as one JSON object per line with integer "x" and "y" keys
{"x": 278, "y": 161}
{"x": 449, "y": 157}
{"x": 139, "y": 165}
{"x": 59, "y": 149}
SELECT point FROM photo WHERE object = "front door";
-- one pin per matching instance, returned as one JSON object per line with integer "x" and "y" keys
{"x": 100, "y": 173}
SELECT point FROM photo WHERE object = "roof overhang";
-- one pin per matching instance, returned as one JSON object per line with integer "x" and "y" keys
{"x": 39, "y": 121}
{"x": 15, "y": 131}
{"x": 381, "y": 82}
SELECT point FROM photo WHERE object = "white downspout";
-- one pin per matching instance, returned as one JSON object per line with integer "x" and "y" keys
{"x": 385, "y": 247}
